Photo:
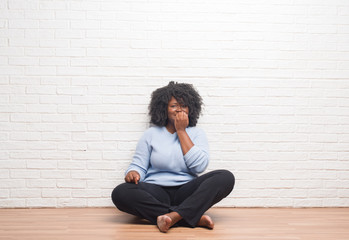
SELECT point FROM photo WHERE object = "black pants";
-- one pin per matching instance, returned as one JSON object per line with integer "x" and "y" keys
{"x": 190, "y": 200}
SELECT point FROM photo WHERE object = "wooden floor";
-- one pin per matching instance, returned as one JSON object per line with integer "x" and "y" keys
{"x": 230, "y": 223}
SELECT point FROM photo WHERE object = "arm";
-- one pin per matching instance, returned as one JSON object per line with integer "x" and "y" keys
{"x": 181, "y": 124}
{"x": 195, "y": 151}
{"x": 140, "y": 163}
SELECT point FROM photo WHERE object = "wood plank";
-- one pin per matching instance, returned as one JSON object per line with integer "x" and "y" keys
{"x": 230, "y": 223}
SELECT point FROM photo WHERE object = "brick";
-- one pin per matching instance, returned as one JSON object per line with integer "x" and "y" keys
{"x": 25, "y": 193}
{"x": 55, "y": 174}
{"x": 54, "y": 61}
{"x": 21, "y": 23}
{"x": 70, "y": 52}
{"x": 77, "y": 109}
{"x": 24, "y": 154}
{"x": 39, "y": 52}
{"x": 53, "y": 5}
{"x": 5, "y": 194}
{"x": 25, "y": 117}
{"x": 87, "y": 193}
{"x": 9, "y": 203}
{"x": 55, "y": 99}
{"x": 100, "y": 165}
{"x": 40, "y": 127}
{"x": 101, "y": 34}
{"x": 80, "y": 165}
{"x": 88, "y": 154}
{"x": 96, "y": 118}
{"x": 71, "y": 90}
{"x": 51, "y": 155}
{"x": 69, "y": 34}
{"x": 41, "y": 108}
{"x": 41, "y": 90}
{"x": 56, "y": 24}
{"x": 58, "y": 81}
{"x": 11, "y": 70}
{"x": 86, "y": 100}
{"x": 85, "y": 174}
{"x": 11, "y": 164}
{"x": 103, "y": 127}
{"x": 86, "y": 136}
{"x": 41, "y": 202}
{"x": 56, "y": 193}
{"x": 84, "y": 62}
{"x": 56, "y": 137}
{"x": 12, "y": 145}
{"x": 4, "y": 174}
{"x": 94, "y": 202}
{"x": 41, "y": 34}
{"x": 76, "y": 80}
{"x": 28, "y": 136}
{"x": 101, "y": 146}
{"x": 51, "y": 43}
{"x": 23, "y": 61}
{"x": 74, "y": 183}
{"x": 40, "y": 14}
{"x": 100, "y": 184}
{"x": 69, "y": 127}
{"x": 71, "y": 202}
{"x": 85, "y": 24}
{"x": 11, "y": 51}
{"x": 12, "y": 183}
{"x": 67, "y": 145}
{"x": 41, "y": 164}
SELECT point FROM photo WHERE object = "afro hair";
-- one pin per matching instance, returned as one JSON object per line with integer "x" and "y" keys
{"x": 184, "y": 93}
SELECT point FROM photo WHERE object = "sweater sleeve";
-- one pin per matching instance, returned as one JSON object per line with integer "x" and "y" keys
{"x": 141, "y": 158}
{"x": 197, "y": 157}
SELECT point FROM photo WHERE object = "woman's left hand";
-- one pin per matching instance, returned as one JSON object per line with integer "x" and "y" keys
{"x": 181, "y": 121}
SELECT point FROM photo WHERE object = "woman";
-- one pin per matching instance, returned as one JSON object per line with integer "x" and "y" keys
{"x": 162, "y": 183}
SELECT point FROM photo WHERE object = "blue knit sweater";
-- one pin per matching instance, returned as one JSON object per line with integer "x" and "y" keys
{"x": 159, "y": 158}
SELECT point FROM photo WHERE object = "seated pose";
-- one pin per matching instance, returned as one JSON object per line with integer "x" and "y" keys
{"x": 162, "y": 183}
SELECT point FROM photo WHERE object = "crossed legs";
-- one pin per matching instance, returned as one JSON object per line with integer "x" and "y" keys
{"x": 180, "y": 206}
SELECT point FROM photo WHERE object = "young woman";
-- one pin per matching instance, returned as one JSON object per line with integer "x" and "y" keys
{"x": 162, "y": 183}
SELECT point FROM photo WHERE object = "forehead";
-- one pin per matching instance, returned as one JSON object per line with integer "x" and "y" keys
{"x": 173, "y": 100}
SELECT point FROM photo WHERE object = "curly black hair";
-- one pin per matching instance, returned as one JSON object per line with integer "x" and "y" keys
{"x": 184, "y": 93}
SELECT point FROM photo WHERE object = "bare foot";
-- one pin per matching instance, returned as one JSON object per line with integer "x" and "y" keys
{"x": 164, "y": 223}
{"x": 206, "y": 221}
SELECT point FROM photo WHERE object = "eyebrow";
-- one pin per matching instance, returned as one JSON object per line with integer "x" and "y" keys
{"x": 176, "y": 102}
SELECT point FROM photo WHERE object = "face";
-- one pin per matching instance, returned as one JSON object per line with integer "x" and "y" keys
{"x": 174, "y": 107}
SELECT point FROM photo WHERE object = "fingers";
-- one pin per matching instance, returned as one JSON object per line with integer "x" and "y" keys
{"x": 132, "y": 176}
{"x": 182, "y": 120}
{"x": 136, "y": 179}
{"x": 181, "y": 116}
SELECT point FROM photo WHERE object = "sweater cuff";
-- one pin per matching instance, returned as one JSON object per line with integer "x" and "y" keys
{"x": 189, "y": 155}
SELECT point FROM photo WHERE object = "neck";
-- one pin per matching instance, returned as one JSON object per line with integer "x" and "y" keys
{"x": 171, "y": 128}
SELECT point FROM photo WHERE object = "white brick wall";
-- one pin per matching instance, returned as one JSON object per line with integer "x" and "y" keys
{"x": 76, "y": 77}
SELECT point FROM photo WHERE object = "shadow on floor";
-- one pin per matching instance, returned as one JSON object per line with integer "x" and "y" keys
{"x": 125, "y": 218}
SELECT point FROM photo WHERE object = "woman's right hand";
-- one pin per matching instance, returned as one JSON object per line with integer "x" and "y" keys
{"x": 132, "y": 176}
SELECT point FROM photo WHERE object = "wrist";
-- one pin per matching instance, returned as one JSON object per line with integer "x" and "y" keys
{"x": 180, "y": 130}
